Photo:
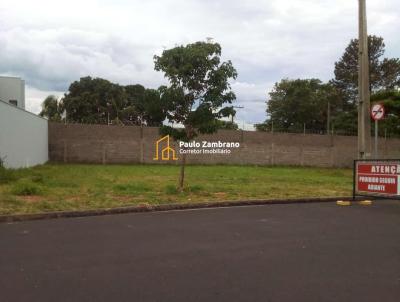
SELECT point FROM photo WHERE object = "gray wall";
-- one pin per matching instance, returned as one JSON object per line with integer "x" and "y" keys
{"x": 74, "y": 143}
{"x": 23, "y": 137}
{"x": 12, "y": 89}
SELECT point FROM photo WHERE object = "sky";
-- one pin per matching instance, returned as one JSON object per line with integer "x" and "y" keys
{"x": 50, "y": 44}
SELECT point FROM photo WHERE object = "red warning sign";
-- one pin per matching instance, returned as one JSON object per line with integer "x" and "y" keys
{"x": 378, "y": 177}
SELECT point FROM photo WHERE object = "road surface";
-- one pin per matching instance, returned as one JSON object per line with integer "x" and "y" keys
{"x": 297, "y": 252}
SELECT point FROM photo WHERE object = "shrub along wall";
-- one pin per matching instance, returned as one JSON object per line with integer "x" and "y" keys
{"x": 76, "y": 143}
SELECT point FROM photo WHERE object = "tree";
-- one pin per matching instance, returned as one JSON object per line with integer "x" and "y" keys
{"x": 145, "y": 105}
{"x": 303, "y": 101}
{"x": 153, "y": 110}
{"x": 264, "y": 127}
{"x": 227, "y": 125}
{"x": 198, "y": 92}
{"x": 94, "y": 100}
{"x": 384, "y": 72}
{"x": 384, "y": 75}
{"x": 294, "y": 103}
{"x": 135, "y": 97}
{"x": 98, "y": 101}
{"x": 51, "y": 109}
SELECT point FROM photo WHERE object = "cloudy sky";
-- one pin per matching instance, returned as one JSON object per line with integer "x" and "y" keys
{"x": 52, "y": 43}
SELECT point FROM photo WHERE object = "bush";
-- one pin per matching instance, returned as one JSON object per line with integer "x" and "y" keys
{"x": 37, "y": 179}
{"x": 26, "y": 188}
{"x": 7, "y": 175}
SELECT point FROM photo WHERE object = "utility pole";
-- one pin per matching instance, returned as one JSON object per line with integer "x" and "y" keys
{"x": 364, "y": 121}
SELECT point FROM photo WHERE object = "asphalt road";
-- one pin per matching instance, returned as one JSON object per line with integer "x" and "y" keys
{"x": 304, "y": 252}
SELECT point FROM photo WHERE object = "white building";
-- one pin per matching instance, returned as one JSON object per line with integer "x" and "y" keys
{"x": 12, "y": 91}
{"x": 23, "y": 137}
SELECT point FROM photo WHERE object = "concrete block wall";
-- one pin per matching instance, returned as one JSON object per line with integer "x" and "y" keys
{"x": 75, "y": 143}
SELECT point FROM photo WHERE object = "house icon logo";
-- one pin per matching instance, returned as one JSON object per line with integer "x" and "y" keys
{"x": 163, "y": 147}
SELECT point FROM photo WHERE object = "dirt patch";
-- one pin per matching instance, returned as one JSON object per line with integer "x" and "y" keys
{"x": 31, "y": 198}
{"x": 220, "y": 194}
{"x": 73, "y": 199}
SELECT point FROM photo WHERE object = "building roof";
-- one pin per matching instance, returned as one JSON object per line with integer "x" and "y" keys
{"x": 19, "y": 108}
{"x": 11, "y": 77}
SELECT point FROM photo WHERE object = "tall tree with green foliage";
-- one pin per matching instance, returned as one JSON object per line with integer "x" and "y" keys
{"x": 93, "y": 100}
{"x": 51, "y": 109}
{"x": 135, "y": 96}
{"x": 384, "y": 72}
{"x": 198, "y": 93}
{"x": 290, "y": 100}
{"x": 293, "y": 103}
{"x": 145, "y": 105}
{"x": 98, "y": 101}
{"x": 384, "y": 75}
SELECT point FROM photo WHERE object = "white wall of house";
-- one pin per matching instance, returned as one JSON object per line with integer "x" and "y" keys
{"x": 12, "y": 89}
{"x": 23, "y": 137}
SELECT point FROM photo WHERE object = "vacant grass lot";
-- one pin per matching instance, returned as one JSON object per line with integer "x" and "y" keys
{"x": 76, "y": 187}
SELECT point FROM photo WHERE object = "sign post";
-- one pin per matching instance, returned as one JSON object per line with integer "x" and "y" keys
{"x": 377, "y": 113}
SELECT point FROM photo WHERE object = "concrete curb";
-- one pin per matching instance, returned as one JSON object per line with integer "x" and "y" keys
{"x": 162, "y": 208}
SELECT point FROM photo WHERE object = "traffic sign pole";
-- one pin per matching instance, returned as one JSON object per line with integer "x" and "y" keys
{"x": 377, "y": 113}
{"x": 376, "y": 139}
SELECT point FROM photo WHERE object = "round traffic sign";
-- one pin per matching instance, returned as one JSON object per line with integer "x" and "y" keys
{"x": 377, "y": 112}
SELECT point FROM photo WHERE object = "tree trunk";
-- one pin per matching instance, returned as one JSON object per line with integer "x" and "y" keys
{"x": 182, "y": 174}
